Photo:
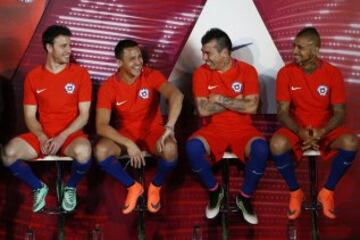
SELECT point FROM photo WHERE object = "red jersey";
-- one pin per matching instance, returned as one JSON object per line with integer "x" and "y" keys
{"x": 310, "y": 95}
{"x": 137, "y": 105}
{"x": 57, "y": 95}
{"x": 240, "y": 80}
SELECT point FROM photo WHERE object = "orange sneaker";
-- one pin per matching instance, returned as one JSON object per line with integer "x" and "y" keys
{"x": 326, "y": 198}
{"x": 134, "y": 192}
{"x": 296, "y": 199}
{"x": 153, "y": 202}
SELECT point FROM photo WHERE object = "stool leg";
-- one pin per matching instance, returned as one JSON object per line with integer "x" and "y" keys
{"x": 225, "y": 203}
{"x": 313, "y": 195}
{"x": 141, "y": 207}
{"x": 59, "y": 195}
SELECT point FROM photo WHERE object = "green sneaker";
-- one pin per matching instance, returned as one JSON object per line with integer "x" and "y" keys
{"x": 39, "y": 196}
{"x": 69, "y": 199}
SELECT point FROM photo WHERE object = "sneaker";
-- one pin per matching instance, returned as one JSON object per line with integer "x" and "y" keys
{"x": 69, "y": 199}
{"x": 213, "y": 207}
{"x": 326, "y": 198}
{"x": 295, "y": 202}
{"x": 134, "y": 192}
{"x": 39, "y": 196}
{"x": 244, "y": 204}
{"x": 153, "y": 202}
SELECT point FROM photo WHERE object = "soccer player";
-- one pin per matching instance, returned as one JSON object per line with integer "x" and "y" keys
{"x": 226, "y": 91}
{"x": 60, "y": 93}
{"x": 311, "y": 106}
{"x": 134, "y": 93}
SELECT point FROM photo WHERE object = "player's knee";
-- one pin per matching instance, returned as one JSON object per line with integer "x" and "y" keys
{"x": 101, "y": 152}
{"x": 350, "y": 142}
{"x": 9, "y": 155}
{"x": 278, "y": 144}
{"x": 170, "y": 151}
{"x": 82, "y": 152}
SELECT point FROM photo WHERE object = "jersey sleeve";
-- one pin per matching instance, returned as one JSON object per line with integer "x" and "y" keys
{"x": 251, "y": 85}
{"x": 157, "y": 79}
{"x": 200, "y": 83}
{"x": 85, "y": 90}
{"x": 282, "y": 86}
{"x": 105, "y": 98}
{"x": 337, "y": 88}
{"x": 29, "y": 92}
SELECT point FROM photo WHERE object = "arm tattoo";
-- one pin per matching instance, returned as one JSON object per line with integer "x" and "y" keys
{"x": 210, "y": 108}
{"x": 239, "y": 105}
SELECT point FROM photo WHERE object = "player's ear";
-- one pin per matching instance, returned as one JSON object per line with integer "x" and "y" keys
{"x": 119, "y": 63}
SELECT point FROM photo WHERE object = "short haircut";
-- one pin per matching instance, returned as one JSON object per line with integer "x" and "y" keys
{"x": 311, "y": 33}
{"x": 222, "y": 39}
{"x": 121, "y": 45}
{"x": 52, "y": 32}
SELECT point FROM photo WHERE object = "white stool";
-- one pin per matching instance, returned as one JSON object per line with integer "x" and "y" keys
{"x": 313, "y": 206}
{"x": 225, "y": 205}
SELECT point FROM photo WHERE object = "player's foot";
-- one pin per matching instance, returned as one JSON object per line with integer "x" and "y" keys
{"x": 69, "y": 199}
{"x": 134, "y": 192}
{"x": 39, "y": 196}
{"x": 215, "y": 200}
{"x": 295, "y": 202}
{"x": 326, "y": 198}
{"x": 153, "y": 202}
{"x": 244, "y": 204}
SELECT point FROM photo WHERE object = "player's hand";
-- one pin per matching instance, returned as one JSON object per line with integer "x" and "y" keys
{"x": 136, "y": 156}
{"x": 44, "y": 144}
{"x": 55, "y": 144}
{"x": 169, "y": 133}
{"x": 318, "y": 133}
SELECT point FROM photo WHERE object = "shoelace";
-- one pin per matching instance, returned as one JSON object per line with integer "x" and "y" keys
{"x": 70, "y": 195}
{"x": 37, "y": 195}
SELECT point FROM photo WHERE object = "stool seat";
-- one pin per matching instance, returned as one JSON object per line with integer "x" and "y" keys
{"x": 229, "y": 155}
{"x": 310, "y": 153}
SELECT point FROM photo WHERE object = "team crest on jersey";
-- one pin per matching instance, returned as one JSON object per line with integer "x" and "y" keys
{"x": 70, "y": 88}
{"x": 144, "y": 93}
{"x": 237, "y": 87}
{"x": 322, "y": 90}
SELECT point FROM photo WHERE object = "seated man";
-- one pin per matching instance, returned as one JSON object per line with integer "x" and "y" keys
{"x": 311, "y": 106}
{"x": 134, "y": 93}
{"x": 227, "y": 91}
{"x": 60, "y": 93}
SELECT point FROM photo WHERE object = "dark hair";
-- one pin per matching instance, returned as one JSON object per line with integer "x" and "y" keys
{"x": 52, "y": 32}
{"x": 121, "y": 45}
{"x": 222, "y": 39}
{"x": 311, "y": 33}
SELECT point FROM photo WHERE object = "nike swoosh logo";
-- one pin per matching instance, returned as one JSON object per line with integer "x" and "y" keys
{"x": 40, "y": 90}
{"x": 156, "y": 205}
{"x": 256, "y": 173}
{"x": 121, "y": 103}
{"x": 211, "y": 87}
{"x": 295, "y": 88}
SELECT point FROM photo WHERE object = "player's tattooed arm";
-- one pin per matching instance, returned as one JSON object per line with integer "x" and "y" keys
{"x": 247, "y": 104}
{"x": 206, "y": 108}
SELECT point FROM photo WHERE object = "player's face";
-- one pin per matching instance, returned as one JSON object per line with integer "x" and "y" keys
{"x": 131, "y": 62}
{"x": 304, "y": 51}
{"x": 212, "y": 57}
{"x": 60, "y": 49}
